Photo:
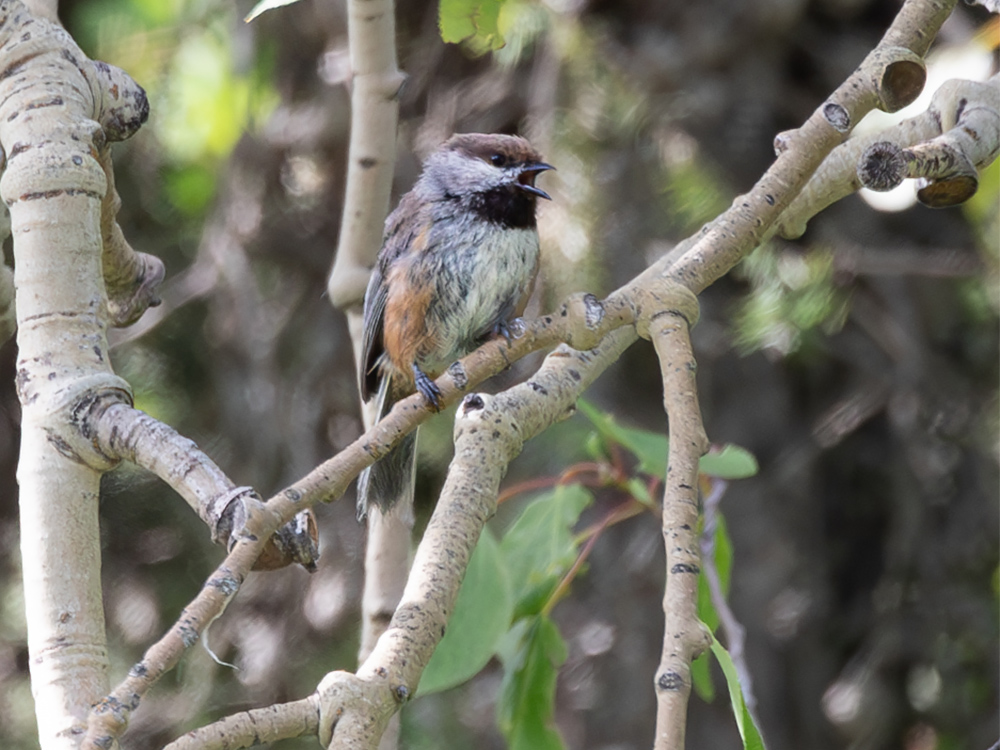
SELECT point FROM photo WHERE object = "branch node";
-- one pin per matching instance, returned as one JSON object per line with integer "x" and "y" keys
{"x": 669, "y": 681}
{"x": 471, "y": 403}
{"x": 837, "y": 116}
{"x": 783, "y": 141}
{"x": 336, "y": 692}
{"x": 122, "y": 106}
{"x": 586, "y": 312}
{"x": 882, "y": 166}
{"x": 903, "y": 78}
{"x": 661, "y": 296}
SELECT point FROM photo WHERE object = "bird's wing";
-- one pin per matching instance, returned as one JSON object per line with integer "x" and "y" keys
{"x": 404, "y": 226}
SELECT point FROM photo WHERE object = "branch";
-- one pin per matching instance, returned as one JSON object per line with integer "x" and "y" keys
{"x": 121, "y": 432}
{"x": 53, "y": 123}
{"x": 890, "y": 77}
{"x": 254, "y": 727}
{"x": 882, "y": 160}
{"x": 685, "y": 637}
{"x": 377, "y": 81}
{"x": 967, "y": 116}
{"x": 489, "y": 433}
{"x": 130, "y": 278}
{"x": 583, "y": 321}
{"x": 592, "y": 329}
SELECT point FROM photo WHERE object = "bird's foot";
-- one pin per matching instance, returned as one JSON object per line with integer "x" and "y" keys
{"x": 427, "y": 387}
{"x": 510, "y": 329}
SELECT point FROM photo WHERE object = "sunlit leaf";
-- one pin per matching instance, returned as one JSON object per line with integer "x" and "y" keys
{"x": 531, "y": 655}
{"x": 481, "y": 618}
{"x": 266, "y": 5}
{"x": 190, "y": 188}
{"x": 473, "y": 21}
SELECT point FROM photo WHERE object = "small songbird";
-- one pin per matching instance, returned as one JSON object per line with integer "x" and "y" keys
{"x": 458, "y": 262}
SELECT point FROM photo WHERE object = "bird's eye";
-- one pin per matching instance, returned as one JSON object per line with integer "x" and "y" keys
{"x": 498, "y": 160}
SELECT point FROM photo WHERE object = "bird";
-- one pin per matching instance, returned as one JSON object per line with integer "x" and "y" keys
{"x": 458, "y": 262}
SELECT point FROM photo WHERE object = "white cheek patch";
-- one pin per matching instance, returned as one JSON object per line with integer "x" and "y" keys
{"x": 462, "y": 175}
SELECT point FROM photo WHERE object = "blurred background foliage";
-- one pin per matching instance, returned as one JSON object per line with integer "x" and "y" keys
{"x": 859, "y": 364}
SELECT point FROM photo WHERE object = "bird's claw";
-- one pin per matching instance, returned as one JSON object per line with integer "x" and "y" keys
{"x": 510, "y": 330}
{"x": 428, "y": 388}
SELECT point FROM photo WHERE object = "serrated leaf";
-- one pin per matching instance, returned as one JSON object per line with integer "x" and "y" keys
{"x": 481, "y": 618}
{"x": 732, "y": 462}
{"x": 266, "y": 5}
{"x": 744, "y": 721}
{"x": 539, "y": 547}
{"x": 531, "y": 656}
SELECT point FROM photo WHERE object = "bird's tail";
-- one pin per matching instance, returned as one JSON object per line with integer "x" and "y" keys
{"x": 390, "y": 479}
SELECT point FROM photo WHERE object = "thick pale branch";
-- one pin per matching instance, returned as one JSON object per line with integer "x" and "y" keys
{"x": 392, "y": 671}
{"x": 583, "y": 323}
{"x": 130, "y": 278}
{"x": 684, "y": 636}
{"x": 582, "y": 319}
{"x": 877, "y": 160}
{"x": 885, "y": 76}
{"x": 489, "y": 432}
{"x": 965, "y": 116}
{"x": 376, "y": 83}
{"x": 254, "y": 727}
{"x": 51, "y": 106}
{"x": 122, "y": 432}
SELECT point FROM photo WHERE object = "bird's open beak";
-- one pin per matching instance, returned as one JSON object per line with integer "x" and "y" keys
{"x": 526, "y": 179}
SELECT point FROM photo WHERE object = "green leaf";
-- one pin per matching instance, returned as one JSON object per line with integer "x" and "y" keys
{"x": 640, "y": 492}
{"x": 744, "y": 722}
{"x": 190, "y": 188}
{"x": 701, "y": 678}
{"x": 649, "y": 447}
{"x": 265, "y": 5}
{"x": 723, "y": 556}
{"x": 481, "y": 618}
{"x": 723, "y": 552}
{"x": 732, "y": 462}
{"x": 531, "y": 655}
{"x": 472, "y": 21}
{"x": 539, "y": 547}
